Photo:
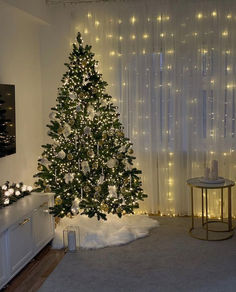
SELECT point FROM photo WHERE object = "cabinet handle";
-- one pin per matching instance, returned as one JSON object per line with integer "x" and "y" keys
{"x": 24, "y": 222}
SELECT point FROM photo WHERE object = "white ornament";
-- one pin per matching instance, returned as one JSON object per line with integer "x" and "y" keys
{"x": 91, "y": 112}
{"x": 111, "y": 163}
{"x": 6, "y": 201}
{"x": 17, "y": 193}
{"x": 11, "y": 191}
{"x": 69, "y": 177}
{"x": 29, "y": 188}
{"x": 7, "y": 194}
{"x": 61, "y": 154}
{"x": 24, "y": 188}
{"x": 52, "y": 116}
{"x": 75, "y": 206}
{"x": 85, "y": 167}
{"x": 4, "y": 187}
{"x": 101, "y": 180}
{"x": 73, "y": 95}
{"x": 112, "y": 191}
{"x": 45, "y": 162}
{"x": 66, "y": 131}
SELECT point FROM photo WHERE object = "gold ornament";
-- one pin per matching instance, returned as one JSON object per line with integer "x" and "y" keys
{"x": 119, "y": 210}
{"x": 123, "y": 189}
{"x": 81, "y": 95}
{"x": 130, "y": 151}
{"x": 100, "y": 142}
{"x": 58, "y": 201}
{"x": 47, "y": 189}
{"x": 98, "y": 189}
{"x": 120, "y": 134}
{"x": 104, "y": 135}
{"x": 120, "y": 156}
{"x": 124, "y": 212}
{"x": 95, "y": 165}
{"x": 69, "y": 156}
{"x": 90, "y": 153}
{"x": 40, "y": 167}
{"x": 104, "y": 207}
{"x": 86, "y": 189}
{"x": 60, "y": 130}
{"x": 44, "y": 183}
{"x": 94, "y": 91}
{"x": 72, "y": 122}
{"x": 84, "y": 63}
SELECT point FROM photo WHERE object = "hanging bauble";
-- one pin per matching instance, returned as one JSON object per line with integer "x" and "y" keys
{"x": 111, "y": 163}
{"x": 47, "y": 189}
{"x": 104, "y": 207}
{"x": 120, "y": 134}
{"x": 66, "y": 131}
{"x": 130, "y": 151}
{"x": 90, "y": 153}
{"x": 81, "y": 95}
{"x": 69, "y": 177}
{"x": 120, "y": 155}
{"x": 90, "y": 112}
{"x": 98, "y": 189}
{"x": 100, "y": 142}
{"x": 58, "y": 200}
{"x": 101, "y": 179}
{"x": 52, "y": 116}
{"x": 61, "y": 154}
{"x": 95, "y": 165}
{"x": 87, "y": 189}
{"x": 72, "y": 122}
{"x": 112, "y": 191}
{"x": 84, "y": 63}
{"x": 45, "y": 162}
{"x": 69, "y": 156}
{"x": 87, "y": 130}
{"x": 75, "y": 206}
{"x": 119, "y": 210}
{"x": 60, "y": 130}
{"x": 73, "y": 95}
{"x": 85, "y": 167}
{"x": 40, "y": 167}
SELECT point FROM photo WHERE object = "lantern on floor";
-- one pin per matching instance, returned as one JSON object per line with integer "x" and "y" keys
{"x": 71, "y": 238}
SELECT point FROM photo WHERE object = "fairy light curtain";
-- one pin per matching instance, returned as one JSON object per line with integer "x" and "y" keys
{"x": 170, "y": 66}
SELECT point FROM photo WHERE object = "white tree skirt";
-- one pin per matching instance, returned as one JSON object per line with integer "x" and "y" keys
{"x": 114, "y": 231}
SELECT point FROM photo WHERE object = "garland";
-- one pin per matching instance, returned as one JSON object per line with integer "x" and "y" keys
{"x": 10, "y": 193}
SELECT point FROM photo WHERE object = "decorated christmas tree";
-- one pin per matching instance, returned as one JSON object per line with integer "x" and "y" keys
{"x": 89, "y": 164}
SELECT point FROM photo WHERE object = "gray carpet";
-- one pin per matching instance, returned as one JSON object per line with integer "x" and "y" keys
{"x": 167, "y": 260}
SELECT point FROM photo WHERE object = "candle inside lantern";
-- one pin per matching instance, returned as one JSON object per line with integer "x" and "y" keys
{"x": 214, "y": 169}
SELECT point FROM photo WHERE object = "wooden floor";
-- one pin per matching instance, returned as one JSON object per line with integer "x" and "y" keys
{"x": 35, "y": 273}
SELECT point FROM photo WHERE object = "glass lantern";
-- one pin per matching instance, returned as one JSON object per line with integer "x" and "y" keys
{"x": 71, "y": 238}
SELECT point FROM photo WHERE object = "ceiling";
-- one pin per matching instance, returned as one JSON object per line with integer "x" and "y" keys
{"x": 54, "y": 2}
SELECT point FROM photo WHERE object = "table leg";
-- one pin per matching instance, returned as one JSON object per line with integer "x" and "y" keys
{"x": 229, "y": 209}
{"x": 202, "y": 209}
{"x": 222, "y": 205}
{"x": 206, "y": 215}
{"x": 192, "y": 207}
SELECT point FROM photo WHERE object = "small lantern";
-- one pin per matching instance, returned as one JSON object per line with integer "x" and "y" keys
{"x": 71, "y": 238}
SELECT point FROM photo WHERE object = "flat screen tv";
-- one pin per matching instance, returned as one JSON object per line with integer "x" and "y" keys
{"x": 7, "y": 120}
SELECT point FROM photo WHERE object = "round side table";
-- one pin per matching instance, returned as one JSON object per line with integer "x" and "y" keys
{"x": 196, "y": 183}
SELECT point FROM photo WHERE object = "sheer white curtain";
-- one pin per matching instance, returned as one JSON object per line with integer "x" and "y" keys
{"x": 170, "y": 66}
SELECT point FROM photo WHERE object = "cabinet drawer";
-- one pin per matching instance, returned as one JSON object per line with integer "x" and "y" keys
{"x": 3, "y": 260}
{"x": 42, "y": 226}
{"x": 20, "y": 244}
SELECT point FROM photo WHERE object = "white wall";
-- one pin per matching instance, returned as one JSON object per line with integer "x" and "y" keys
{"x": 20, "y": 65}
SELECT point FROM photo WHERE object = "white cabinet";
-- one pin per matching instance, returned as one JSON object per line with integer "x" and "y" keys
{"x": 3, "y": 262}
{"x": 26, "y": 227}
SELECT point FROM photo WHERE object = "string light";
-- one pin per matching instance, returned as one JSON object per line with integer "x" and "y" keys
{"x": 199, "y": 15}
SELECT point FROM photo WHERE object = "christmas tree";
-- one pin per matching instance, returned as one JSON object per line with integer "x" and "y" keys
{"x": 89, "y": 164}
